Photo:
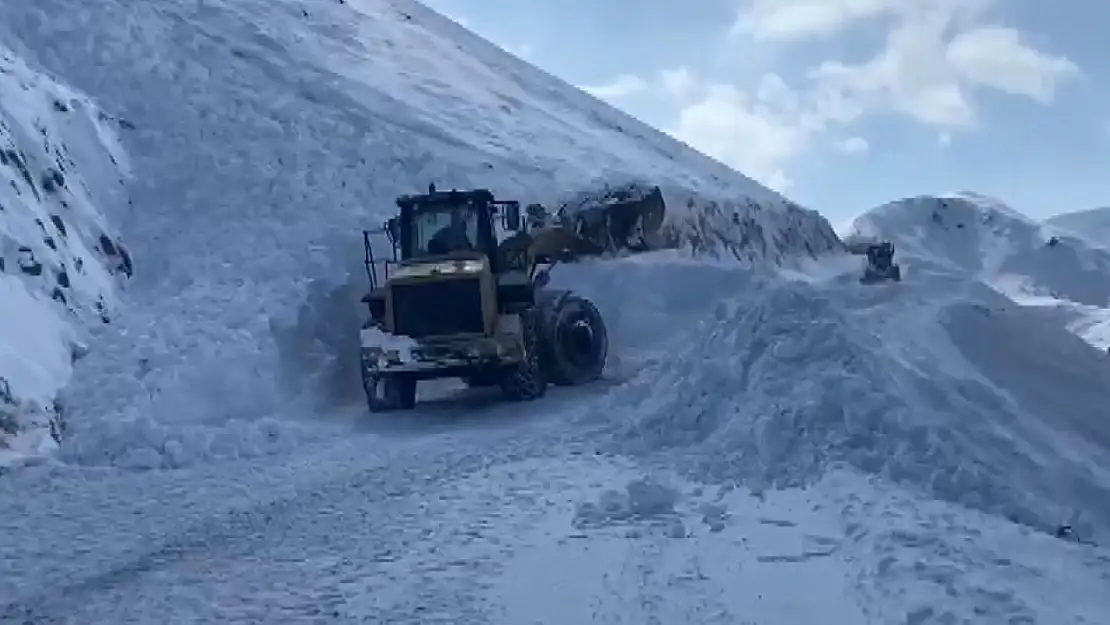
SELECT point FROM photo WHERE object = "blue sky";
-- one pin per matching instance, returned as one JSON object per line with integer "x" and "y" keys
{"x": 845, "y": 104}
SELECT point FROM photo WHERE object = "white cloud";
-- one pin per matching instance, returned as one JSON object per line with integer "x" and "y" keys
{"x": 994, "y": 56}
{"x": 789, "y": 20}
{"x": 622, "y": 86}
{"x": 678, "y": 83}
{"x": 853, "y": 145}
{"x": 757, "y": 134}
{"x": 935, "y": 57}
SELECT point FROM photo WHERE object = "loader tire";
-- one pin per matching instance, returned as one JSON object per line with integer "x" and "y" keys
{"x": 389, "y": 393}
{"x": 481, "y": 379}
{"x": 578, "y": 345}
{"x": 525, "y": 381}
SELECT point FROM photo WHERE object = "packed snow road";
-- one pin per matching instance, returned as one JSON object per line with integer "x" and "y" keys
{"x": 286, "y": 540}
{"x": 487, "y": 528}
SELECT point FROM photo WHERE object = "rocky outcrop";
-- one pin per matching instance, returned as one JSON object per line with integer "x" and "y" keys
{"x": 59, "y": 258}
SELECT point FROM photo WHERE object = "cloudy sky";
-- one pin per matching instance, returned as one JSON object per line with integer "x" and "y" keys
{"x": 843, "y": 104}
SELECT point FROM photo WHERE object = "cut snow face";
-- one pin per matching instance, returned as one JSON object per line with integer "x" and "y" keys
{"x": 265, "y": 134}
{"x": 60, "y": 166}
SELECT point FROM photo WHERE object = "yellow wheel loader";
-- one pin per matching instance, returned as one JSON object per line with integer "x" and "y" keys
{"x": 457, "y": 300}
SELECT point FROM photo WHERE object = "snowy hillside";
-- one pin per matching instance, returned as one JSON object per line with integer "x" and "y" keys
{"x": 60, "y": 166}
{"x": 1029, "y": 262}
{"x": 271, "y": 141}
{"x": 1093, "y": 224}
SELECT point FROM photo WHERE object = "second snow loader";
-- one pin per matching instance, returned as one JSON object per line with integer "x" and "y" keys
{"x": 880, "y": 264}
{"x": 880, "y": 259}
{"x": 455, "y": 301}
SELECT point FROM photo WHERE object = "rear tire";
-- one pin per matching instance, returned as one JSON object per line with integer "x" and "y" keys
{"x": 389, "y": 393}
{"x": 578, "y": 345}
{"x": 525, "y": 381}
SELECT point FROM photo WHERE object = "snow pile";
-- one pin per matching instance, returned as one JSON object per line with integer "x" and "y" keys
{"x": 786, "y": 379}
{"x": 748, "y": 230}
{"x": 1029, "y": 262}
{"x": 1092, "y": 224}
{"x": 755, "y": 228}
{"x": 264, "y": 136}
{"x": 60, "y": 164}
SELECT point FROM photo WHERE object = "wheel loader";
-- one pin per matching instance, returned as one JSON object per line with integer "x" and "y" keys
{"x": 880, "y": 264}
{"x": 457, "y": 300}
{"x": 880, "y": 260}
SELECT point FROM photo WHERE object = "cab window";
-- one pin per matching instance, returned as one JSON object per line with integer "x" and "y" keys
{"x": 438, "y": 230}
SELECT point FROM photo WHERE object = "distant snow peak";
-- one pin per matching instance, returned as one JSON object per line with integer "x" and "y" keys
{"x": 1092, "y": 225}
{"x": 58, "y": 255}
{"x": 984, "y": 239}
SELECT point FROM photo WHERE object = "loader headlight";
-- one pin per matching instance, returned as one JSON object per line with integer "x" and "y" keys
{"x": 445, "y": 267}
{"x": 470, "y": 266}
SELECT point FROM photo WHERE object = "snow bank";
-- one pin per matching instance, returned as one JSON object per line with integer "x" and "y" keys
{"x": 786, "y": 379}
{"x": 60, "y": 166}
{"x": 265, "y": 135}
{"x": 1092, "y": 225}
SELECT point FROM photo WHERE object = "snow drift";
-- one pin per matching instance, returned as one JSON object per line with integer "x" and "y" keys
{"x": 60, "y": 167}
{"x": 264, "y": 135}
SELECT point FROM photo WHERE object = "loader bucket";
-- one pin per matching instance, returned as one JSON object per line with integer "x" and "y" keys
{"x": 621, "y": 223}
{"x": 646, "y": 217}
{"x": 558, "y": 243}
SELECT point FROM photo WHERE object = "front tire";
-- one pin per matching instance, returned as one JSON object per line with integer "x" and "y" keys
{"x": 525, "y": 381}
{"x": 578, "y": 345}
{"x": 389, "y": 393}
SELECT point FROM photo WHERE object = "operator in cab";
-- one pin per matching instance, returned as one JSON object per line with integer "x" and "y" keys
{"x": 454, "y": 236}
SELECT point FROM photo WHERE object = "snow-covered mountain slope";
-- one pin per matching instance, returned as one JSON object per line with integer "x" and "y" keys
{"x": 1032, "y": 263}
{"x": 60, "y": 167}
{"x": 1092, "y": 224}
{"x": 264, "y": 135}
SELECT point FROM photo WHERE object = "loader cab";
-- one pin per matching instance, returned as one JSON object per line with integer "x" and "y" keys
{"x": 450, "y": 223}
{"x": 880, "y": 256}
{"x": 436, "y": 226}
